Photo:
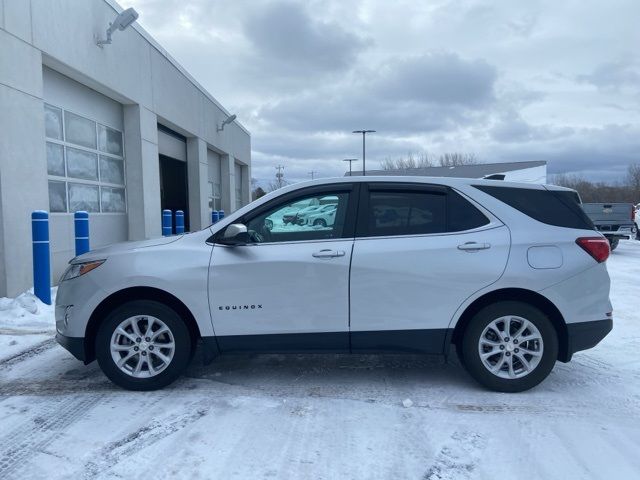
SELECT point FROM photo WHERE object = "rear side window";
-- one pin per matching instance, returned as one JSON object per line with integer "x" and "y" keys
{"x": 462, "y": 214}
{"x": 558, "y": 208}
{"x": 405, "y": 212}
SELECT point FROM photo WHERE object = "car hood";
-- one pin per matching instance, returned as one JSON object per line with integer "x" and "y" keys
{"x": 104, "y": 252}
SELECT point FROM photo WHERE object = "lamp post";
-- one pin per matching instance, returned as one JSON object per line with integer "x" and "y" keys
{"x": 364, "y": 133}
{"x": 350, "y": 160}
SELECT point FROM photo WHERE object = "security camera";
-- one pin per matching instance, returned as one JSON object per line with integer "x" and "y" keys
{"x": 121, "y": 22}
{"x": 227, "y": 122}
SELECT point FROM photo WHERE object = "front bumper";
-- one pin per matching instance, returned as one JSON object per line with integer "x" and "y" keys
{"x": 585, "y": 335}
{"x": 75, "y": 345}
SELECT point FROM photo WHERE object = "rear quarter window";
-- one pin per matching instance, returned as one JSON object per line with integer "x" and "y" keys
{"x": 558, "y": 208}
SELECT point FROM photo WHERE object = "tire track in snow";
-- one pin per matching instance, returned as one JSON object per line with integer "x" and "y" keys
{"x": 131, "y": 444}
{"x": 19, "y": 447}
{"x": 36, "y": 349}
{"x": 457, "y": 459}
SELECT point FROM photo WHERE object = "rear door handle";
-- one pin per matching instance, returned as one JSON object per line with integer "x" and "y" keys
{"x": 473, "y": 246}
{"x": 328, "y": 253}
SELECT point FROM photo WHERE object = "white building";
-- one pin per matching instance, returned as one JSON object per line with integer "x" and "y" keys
{"x": 122, "y": 131}
{"x": 528, "y": 172}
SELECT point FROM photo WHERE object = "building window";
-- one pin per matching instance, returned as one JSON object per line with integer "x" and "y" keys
{"x": 215, "y": 198}
{"x": 85, "y": 163}
{"x": 238, "y": 181}
{"x": 215, "y": 178}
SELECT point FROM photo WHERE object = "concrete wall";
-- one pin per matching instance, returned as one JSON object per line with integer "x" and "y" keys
{"x": 144, "y": 86}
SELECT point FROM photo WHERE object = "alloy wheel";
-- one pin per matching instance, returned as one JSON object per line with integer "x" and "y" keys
{"x": 510, "y": 347}
{"x": 142, "y": 346}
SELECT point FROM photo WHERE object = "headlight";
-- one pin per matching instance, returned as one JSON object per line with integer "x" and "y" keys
{"x": 78, "y": 269}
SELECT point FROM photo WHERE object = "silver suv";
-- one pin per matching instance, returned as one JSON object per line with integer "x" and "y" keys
{"x": 511, "y": 274}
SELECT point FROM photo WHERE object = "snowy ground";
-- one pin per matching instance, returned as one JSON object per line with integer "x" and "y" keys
{"x": 321, "y": 417}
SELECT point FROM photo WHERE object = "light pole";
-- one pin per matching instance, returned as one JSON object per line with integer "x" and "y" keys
{"x": 364, "y": 133}
{"x": 313, "y": 174}
{"x": 350, "y": 160}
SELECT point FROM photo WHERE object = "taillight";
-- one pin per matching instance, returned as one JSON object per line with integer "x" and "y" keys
{"x": 633, "y": 214}
{"x": 597, "y": 247}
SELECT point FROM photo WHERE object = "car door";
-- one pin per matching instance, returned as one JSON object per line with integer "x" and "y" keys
{"x": 288, "y": 290}
{"x": 420, "y": 251}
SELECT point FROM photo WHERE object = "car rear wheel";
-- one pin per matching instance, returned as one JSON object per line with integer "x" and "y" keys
{"x": 509, "y": 346}
{"x": 613, "y": 244}
{"x": 320, "y": 223}
{"x": 143, "y": 345}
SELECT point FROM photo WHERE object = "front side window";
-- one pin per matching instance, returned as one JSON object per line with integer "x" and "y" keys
{"x": 85, "y": 163}
{"x": 312, "y": 217}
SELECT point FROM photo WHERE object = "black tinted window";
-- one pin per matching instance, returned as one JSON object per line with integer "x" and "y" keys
{"x": 406, "y": 213}
{"x": 558, "y": 208}
{"x": 462, "y": 215}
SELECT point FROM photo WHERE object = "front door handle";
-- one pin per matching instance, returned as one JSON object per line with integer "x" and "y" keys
{"x": 473, "y": 246}
{"x": 328, "y": 253}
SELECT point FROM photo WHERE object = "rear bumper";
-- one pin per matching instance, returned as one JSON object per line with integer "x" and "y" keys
{"x": 622, "y": 232}
{"x": 75, "y": 345}
{"x": 585, "y": 335}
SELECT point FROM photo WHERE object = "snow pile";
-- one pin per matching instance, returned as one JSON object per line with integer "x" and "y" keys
{"x": 27, "y": 314}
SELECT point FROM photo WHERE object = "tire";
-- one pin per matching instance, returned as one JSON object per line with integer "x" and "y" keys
{"x": 637, "y": 233}
{"x": 613, "y": 244}
{"x": 482, "y": 326}
{"x": 154, "y": 373}
{"x": 320, "y": 223}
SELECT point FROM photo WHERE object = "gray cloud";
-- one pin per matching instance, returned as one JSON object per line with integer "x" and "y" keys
{"x": 287, "y": 35}
{"x": 416, "y": 94}
{"x": 508, "y": 81}
{"x": 614, "y": 75}
{"x": 440, "y": 78}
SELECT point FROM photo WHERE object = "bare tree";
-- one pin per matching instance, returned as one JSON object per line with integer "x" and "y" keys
{"x": 412, "y": 160}
{"x": 456, "y": 159}
{"x": 633, "y": 180}
{"x": 598, "y": 192}
{"x": 275, "y": 185}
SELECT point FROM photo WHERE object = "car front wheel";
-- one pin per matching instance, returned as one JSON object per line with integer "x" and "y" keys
{"x": 143, "y": 345}
{"x": 509, "y": 346}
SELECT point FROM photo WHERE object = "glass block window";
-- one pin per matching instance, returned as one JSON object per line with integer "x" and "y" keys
{"x": 85, "y": 163}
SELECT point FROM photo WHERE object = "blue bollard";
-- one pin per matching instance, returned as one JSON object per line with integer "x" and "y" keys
{"x": 167, "y": 227}
{"x": 41, "y": 259}
{"x": 214, "y": 216}
{"x": 179, "y": 222}
{"x": 220, "y": 214}
{"x": 81, "y": 223}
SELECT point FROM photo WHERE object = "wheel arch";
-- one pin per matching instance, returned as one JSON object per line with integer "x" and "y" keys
{"x": 521, "y": 295}
{"x": 130, "y": 294}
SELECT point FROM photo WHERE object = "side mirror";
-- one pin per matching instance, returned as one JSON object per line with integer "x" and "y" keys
{"x": 234, "y": 235}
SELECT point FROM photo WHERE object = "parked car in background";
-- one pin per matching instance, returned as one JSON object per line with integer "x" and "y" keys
{"x": 637, "y": 221}
{"x": 512, "y": 275}
{"x": 614, "y": 220}
{"x": 322, "y": 216}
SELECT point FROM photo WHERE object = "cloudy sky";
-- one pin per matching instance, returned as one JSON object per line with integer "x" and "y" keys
{"x": 508, "y": 81}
